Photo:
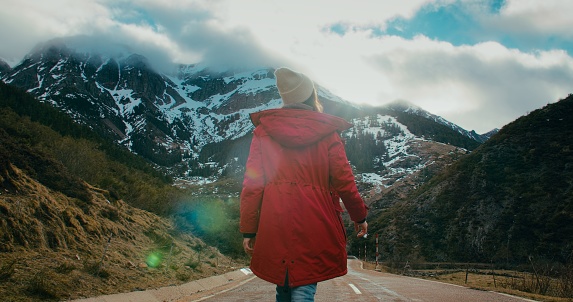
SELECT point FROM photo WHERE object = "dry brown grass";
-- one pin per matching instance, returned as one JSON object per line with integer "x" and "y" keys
{"x": 38, "y": 276}
{"x": 498, "y": 281}
{"x": 53, "y": 247}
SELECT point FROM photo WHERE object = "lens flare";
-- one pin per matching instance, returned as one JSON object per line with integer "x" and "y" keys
{"x": 204, "y": 215}
{"x": 154, "y": 259}
{"x": 253, "y": 173}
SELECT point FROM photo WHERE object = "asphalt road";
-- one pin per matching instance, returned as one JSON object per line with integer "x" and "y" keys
{"x": 358, "y": 285}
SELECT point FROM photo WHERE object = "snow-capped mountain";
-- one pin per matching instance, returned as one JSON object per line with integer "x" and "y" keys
{"x": 195, "y": 122}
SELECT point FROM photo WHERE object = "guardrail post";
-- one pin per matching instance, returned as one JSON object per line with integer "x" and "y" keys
{"x": 376, "y": 251}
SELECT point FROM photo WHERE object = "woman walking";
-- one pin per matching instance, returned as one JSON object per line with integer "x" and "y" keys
{"x": 296, "y": 173}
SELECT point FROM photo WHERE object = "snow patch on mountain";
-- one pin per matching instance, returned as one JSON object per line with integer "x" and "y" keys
{"x": 398, "y": 141}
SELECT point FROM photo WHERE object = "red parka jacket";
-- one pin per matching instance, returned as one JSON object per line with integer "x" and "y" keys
{"x": 296, "y": 161}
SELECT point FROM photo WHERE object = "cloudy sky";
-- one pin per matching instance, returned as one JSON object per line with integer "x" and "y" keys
{"x": 478, "y": 63}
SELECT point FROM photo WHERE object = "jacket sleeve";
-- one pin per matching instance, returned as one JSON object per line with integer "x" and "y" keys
{"x": 253, "y": 189}
{"x": 342, "y": 180}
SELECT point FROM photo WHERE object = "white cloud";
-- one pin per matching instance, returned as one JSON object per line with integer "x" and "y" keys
{"x": 479, "y": 87}
{"x": 26, "y": 23}
{"x": 548, "y": 17}
{"x": 476, "y": 86}
{"x": 533, "y": 24}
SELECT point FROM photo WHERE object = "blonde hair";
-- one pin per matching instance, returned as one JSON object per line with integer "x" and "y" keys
{"x": 314, "y": 102}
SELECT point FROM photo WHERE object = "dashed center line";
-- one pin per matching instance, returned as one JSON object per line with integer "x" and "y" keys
{"x": 355, "y": 289}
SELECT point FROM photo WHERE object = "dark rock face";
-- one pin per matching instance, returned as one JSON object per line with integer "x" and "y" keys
{"x": 4, "y": 68}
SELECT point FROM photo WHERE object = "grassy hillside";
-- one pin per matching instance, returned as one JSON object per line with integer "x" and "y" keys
{"x": 56, "y": 247}
{"x": 509, "y": 202}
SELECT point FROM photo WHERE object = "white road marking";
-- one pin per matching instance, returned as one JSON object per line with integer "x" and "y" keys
{"x": 226, "y": 290}
{"x": 355, "y": 289}
{"x": 512, "y": 296}
{"x": 439, "y": 282}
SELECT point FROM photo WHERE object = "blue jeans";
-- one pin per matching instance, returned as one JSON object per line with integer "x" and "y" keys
{"x": 303, "y": 293}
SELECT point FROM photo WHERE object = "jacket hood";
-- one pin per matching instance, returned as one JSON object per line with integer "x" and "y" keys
{"x": 295, "y": 128}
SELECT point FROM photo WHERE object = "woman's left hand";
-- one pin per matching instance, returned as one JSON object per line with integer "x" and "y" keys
{"x": 249, "y": 245}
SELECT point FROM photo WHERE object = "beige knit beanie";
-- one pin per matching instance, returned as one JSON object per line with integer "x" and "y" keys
{"x": 294, "y": 87}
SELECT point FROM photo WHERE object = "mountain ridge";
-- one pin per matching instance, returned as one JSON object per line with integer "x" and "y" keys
{"x": 170, "y": 118}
